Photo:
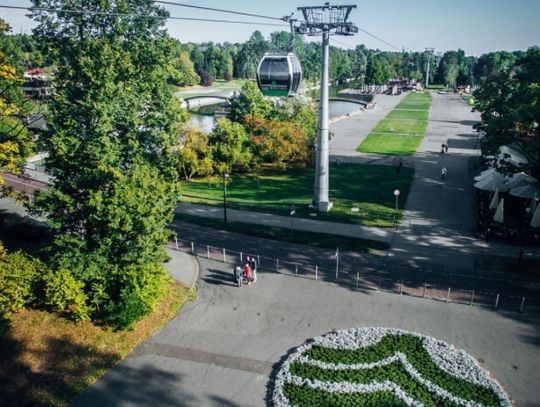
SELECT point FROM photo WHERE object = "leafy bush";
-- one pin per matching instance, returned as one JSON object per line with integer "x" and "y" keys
{"x": 141, "y": 289}
{"x": 19, "y": 281}
{"x": 63, "y": 292}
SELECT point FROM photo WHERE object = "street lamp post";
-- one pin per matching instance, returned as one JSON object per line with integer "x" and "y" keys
{"x": 225, "y": 176}
{"x": 396, "y": 194}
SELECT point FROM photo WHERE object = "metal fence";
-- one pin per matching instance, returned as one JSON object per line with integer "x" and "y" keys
{"x": 361, "y": 281}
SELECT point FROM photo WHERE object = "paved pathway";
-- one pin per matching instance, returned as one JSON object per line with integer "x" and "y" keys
{"x": 221, "y": 349}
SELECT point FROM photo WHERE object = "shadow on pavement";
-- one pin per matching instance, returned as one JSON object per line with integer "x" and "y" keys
{"x": 219, "y": 277}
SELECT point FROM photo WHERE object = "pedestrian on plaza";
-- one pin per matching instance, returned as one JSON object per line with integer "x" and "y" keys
{"x": 446, "y": 147}
{"x": 238, "y": 274}
{"x": 247, "y": 273}
{"x": 399, "y": 166}
{"x": 443, "y": 173}
{"x": 442, "y": 148}
{"x": 253, "y": 264}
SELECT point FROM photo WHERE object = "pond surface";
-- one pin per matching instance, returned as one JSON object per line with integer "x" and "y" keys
{"x": 202, "y": 120}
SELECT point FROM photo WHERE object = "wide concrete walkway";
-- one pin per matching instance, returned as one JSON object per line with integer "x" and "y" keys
{"x": 221, "y": 349}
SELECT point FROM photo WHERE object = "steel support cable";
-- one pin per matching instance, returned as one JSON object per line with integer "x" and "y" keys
{"x": 106, "y": 13}
{"x": 240, "y": 13}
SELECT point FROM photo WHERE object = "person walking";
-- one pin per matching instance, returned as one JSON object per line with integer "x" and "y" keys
{"x": 238, "y": 273}
{"x": 443, "y": 173}
{"x": 253, "y": 264}
{"x": 446, "y": 147}
{"x": 247, "y": 273}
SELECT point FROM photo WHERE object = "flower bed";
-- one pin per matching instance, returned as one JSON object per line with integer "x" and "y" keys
{"x": 383, "y": 367}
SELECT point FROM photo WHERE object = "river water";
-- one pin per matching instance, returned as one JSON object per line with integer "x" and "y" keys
{"x": 206, "y": 122}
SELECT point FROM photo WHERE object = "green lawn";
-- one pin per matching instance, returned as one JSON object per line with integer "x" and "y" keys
{"x": 392, "y": 144}
{"x": 218, "y": 88}
{"x": 402, "y": 130}
{"x": 366, "y": 187}
{"x": 408, "y": 114}
{"x": 403, "y": 126}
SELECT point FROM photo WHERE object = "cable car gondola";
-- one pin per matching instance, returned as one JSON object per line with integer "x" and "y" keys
{"x": 279, "y": 74}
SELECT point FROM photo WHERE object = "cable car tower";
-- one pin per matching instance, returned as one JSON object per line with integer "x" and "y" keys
{"x": 324, "y": 20}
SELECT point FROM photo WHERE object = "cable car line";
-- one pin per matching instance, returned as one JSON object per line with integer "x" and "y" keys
{"x": 380, "y": 39}
{"x": 173, "y": 3}
{"x": 106, "y": 13}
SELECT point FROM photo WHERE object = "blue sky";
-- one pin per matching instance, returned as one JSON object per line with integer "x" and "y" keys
{"x": 476, "y": 26}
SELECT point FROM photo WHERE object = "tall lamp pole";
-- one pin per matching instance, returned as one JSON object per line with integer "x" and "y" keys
{"x": 324, "y": 20}
{"x": 225, "y": 176}
{"x": 429, "y": 52}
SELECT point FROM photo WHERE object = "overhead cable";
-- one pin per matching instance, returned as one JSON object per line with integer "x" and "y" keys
{"x": 240, "y": 13}
{"x": 106, "y": 13}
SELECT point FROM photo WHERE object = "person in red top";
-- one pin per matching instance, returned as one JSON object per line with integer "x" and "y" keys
{"x": 247, "y": 273}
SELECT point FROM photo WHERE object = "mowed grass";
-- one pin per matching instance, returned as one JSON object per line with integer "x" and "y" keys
{"x": 402, "y": 130}
{"x": 366, "y": 187}
{"x": 391, "y": 144}
{"x": 46, "y": 359}
{"x": 403, "y": 126}
{"x": 408, "y": 114}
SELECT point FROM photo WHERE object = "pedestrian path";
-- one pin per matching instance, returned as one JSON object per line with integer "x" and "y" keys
{"x": 309, "y": 225}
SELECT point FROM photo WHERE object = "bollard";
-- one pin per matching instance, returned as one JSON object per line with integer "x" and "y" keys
{"x": 472, "y": 298}
{"x": 241, "y": 260}
{"x": 497, "y": 301}
{"x": 176, "y": 242}
{"x": 277, "y": 265}
{"x": 522, "y": 304}
{"x": 207, "y": 251}
{"x": 296, "y": 268}
{"x": 192, "y": 248}
{"x": 316, "y": 272}
{"x": 258, "y": 262}
{"x": 357, "y": 278}
{"x": 448, "y": 294}
{"x": 424, "y": 295}
{"x": 224, "y": 257}
{"x": 401, "y": 287}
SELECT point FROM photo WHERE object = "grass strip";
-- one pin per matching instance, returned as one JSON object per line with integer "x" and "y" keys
{"x": 417, "y": 356}
{"x": 322, "y": 240}
{"x": 366, "y": 187}
{"x": 391, "y": 144}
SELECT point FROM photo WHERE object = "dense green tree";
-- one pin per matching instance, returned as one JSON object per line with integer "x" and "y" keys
{"x": 509, "y": 101}
{"x": 230, "y": 145}
{"x": 249, "y": 101}
{"x": 111, "y": 142}
{"x": 15, "y": 139}
{"x": 195, "y": 154}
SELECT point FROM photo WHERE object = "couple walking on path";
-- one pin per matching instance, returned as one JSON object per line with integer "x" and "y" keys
{"x": 248, "y": 274}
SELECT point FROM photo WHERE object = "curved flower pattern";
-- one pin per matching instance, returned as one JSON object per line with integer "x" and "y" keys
{"x": 373, "y": 366}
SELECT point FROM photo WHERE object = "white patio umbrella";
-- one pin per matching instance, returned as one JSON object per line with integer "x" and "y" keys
{"x": 491, "y": 185}
{"x": 488, "y": 174}
{"x": 527, "y": 191}
{"x": 512, "y": 156}
{"x": 534, "y": 202}
{"x": 495, "y": 200}
{"x": 499, "y": 213}
{"x": 520, "y": 179}
{"x": 535, "y": 221}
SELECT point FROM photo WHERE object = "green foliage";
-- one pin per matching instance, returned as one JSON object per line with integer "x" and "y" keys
{"x": 230, "y": 146}
{"x": 112, "y": 144}
{"x": 19, "y": 281}
{"x": 195, "y": 154}
{"x": 250, "y": 101}
{"x": 142, "y": 287}
{"x": 63, "y": 292}
{"x": 509, "y": 101}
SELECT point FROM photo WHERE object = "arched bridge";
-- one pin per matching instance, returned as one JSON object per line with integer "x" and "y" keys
{"x": 196, "y": 101}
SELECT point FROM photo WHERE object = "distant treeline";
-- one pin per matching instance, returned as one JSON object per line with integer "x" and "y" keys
{"x": 192, "y": 64}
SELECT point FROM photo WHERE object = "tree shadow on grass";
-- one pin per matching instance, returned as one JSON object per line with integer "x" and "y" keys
{"x": 54, "y": 374}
